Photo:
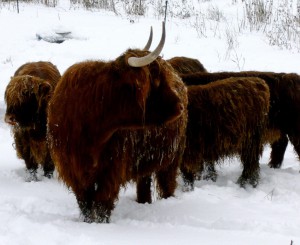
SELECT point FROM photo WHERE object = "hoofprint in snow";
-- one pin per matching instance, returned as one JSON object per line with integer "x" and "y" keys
{"x": 46, "y": 212}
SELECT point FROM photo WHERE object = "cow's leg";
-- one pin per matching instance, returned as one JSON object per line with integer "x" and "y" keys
{"x": 23, "y": 151}
{"x": 166, "y": 181}
{"x": 295, "y": 140}
{"x": 278, "y": 150}
{"x": 102, "y": 211}
{"x": 32, "y": 167}
{"x": 144, "y": 189}
{"x": 210, "y": 172}
{"x": 106, "y": 193}
{"x": 94, "y": 206}
{"x": 48, "y": 167}
{"x": 188, "y": 177}
{"x": 250, "y": 155}
{"x": 85, "y": 203}
{"x": 250, "y": 174}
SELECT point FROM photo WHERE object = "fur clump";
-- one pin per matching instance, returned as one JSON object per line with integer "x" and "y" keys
{"x": 284, "y": 120}
{"x": 186, "y": 65}
{"x": 227, "y": 118}
{"x": 27, "y": 96}
{"x": 110, "y": 123}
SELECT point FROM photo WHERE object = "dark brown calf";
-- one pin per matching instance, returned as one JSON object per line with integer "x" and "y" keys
{"x": 226, "y": 118}
{"x": 113, "y": 122}
{"x": 284, "y": 115}
{"x": 26, "y": 97}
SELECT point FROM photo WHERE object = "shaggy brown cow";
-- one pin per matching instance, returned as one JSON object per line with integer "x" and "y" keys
{"x": 27, "y": 96}
{"x": 227, "y": 118}
{"x": 284, "y": 115}
{"x": 112, "y": 122}
{"x": 186, "y": 65}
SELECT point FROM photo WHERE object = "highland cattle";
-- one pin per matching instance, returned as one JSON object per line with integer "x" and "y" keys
{"x": 118, "y": 121}
{"x": 226, "y": 118}
{"x": 284, "y": 114}
{"x": 27, "y": 96}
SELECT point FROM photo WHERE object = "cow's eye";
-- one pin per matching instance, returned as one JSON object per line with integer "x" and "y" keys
{"x": 156, "y": 83}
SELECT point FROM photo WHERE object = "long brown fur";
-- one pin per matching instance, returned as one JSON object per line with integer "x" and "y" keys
{"x": 227, "y": 118}
{"x": 110, "y": 123}
{"x": 284, "y": 119}
{"x": 27, "y": 96}
{"x": 186, "y": 65}
{"x": 41, "y": 69}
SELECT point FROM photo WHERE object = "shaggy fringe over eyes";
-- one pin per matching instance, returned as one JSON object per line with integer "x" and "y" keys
{"x": 19, "y": 86}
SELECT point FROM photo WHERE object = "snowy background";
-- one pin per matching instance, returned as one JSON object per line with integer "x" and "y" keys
{"x": 46, "y": 212}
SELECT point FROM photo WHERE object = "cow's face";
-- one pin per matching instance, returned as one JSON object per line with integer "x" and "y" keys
{"x": 145, "y": 89}
{"x": 145, "y": 96}
{"x": 165, "y": 101}
{"x": 26, "y": 98}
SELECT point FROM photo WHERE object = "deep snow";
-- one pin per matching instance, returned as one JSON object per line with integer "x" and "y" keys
{"x": 46, "y": 212}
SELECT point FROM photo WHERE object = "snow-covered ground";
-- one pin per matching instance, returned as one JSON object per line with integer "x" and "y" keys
{"x": 46, "y": 212}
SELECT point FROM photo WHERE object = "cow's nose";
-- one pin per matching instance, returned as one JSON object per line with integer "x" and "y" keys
{"x": 10, "y": 119}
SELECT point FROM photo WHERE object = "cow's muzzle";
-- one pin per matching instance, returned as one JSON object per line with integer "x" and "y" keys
{"x": 10, "y": 119}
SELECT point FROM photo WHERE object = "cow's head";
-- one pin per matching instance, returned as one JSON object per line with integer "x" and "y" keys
{"x": 26, "y": 99}
{"x": 146, "y": 90}
{"x": 94, "y": 99}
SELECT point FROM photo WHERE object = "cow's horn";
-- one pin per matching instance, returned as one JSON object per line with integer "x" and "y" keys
{"x": 149, "y": 41}
{"x": 146, "y": 60}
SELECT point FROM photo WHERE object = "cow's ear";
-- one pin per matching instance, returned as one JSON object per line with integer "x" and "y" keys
{"x": 44, "y": 89}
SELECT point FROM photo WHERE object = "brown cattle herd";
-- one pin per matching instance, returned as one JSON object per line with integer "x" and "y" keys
{"x": 142, "y": 119}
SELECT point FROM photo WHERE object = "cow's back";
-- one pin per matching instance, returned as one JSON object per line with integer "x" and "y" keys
{"x": 41, "y": 69}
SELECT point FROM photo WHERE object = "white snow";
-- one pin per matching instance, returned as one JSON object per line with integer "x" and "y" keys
{"x": 46, "y": 212}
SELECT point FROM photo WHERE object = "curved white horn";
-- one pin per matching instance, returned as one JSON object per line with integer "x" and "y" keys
{"x": 146, "y": 60}
{"x": 146, "y": 48}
